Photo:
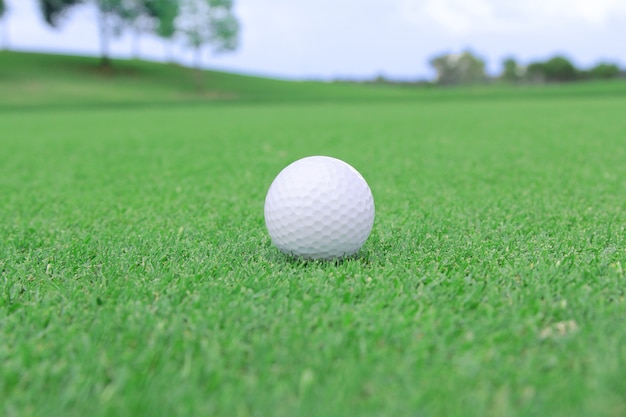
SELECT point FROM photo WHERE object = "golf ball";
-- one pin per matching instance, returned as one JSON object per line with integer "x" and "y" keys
{"x": 319, "y": 208}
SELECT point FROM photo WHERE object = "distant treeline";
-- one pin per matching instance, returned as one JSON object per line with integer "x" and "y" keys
{"x": 556, "y": 69}
{"x": 468, "y": 68}
{"x": 198, "y": 23}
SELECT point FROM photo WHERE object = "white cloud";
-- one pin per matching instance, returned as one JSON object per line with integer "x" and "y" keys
{"x": 457, "y": 16}
{"x": 595, "y": 12}
{"x": 272, "y": 21}
{"x": 463, "y": 17}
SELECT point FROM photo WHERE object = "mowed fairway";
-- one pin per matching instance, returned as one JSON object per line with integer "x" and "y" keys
{"x": 137, "y": 277}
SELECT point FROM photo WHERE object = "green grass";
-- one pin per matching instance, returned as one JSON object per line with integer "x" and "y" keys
{"x": 137, "y": 277}
{"x": 34, "y": 81}
{"x": 31, "y": 81}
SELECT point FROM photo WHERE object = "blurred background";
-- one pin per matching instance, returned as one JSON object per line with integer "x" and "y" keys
{"x": 394, "y": 40}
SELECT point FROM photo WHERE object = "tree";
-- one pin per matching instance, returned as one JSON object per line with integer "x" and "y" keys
{"x": 110, "y": 15}
{"x": 556, "y": 69}
{"x": 535, "y": 72}
{"x": 512, "y": 71}
{"x": 165, "y": 12}
{"x": 204, "y": 22}
{"x": 54, "y": 10}
{"x": 110, "y": 23}
{"x": 134, "y": 13}
{"x": 209, "y": 22}
{"x": 464, "y": 68}
{"x": 560, "y": 69}
{"x": 156, "y": 16}
{"x": 604, "y": 71}
{"x": 5, "y": 32}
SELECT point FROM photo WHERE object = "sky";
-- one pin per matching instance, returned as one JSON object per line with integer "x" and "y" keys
{"x": 360, "y": 39}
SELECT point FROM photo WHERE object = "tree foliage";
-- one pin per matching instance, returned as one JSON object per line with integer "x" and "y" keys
{"x": 54, "y": 10}
{"x": 109, "y": 14}
{"x": 556, "y": 69}
{"x": 209, "y": 22}
{"x": 138, "y": 17}
{"x": 512, "y": 71}
{"x": 4, "y": 33}
{"x": 156, "y": 16}
{"x": 464, "y": 68}
{"x": 560, "y": 68}
{"x": 165, "y": 12}
{"x": 604, "y": 71}
{"x": 202, "y": 22}
{"x": 111, "y": 17}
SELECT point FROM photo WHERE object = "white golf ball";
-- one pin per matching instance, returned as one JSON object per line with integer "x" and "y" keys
{"x": 319, "y": 208}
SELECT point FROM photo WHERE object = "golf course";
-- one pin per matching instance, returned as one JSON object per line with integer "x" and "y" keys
{"x": 137, "y": 276}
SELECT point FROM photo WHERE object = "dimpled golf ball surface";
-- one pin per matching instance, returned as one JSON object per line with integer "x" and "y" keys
{"x": 319, "y": 208}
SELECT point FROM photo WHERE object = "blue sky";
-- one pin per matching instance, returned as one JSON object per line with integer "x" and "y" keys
{"x": 364, "y": 38}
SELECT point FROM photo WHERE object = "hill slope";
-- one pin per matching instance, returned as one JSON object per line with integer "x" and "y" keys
{"x": 29, "y": 80}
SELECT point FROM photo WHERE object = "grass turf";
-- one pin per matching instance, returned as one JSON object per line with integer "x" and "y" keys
{"x": 37, "y": 81}
{"x": 30, "y": 81}
{"x": 136, "y": 276}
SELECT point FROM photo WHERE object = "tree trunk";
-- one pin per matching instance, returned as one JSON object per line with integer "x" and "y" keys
{"x": 198, "y": 71}
{"x": 169, "y": 54}
{"x": 199, "y": 79}
{"x": 198, "y": 57}
{"x": 136, "y": 41}
{"x": 4, "y": 29}
{"x": 105, "y": 61}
